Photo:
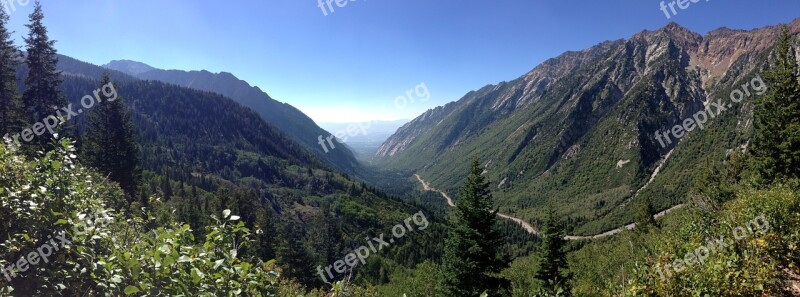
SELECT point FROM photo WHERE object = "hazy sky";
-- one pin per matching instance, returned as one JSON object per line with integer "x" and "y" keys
{"x": 351, "y": 64}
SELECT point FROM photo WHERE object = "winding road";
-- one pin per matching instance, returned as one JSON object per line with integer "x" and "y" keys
{"x": 529, "y": 228}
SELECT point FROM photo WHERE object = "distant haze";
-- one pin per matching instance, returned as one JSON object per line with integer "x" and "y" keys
{"x": 364, "y": 142}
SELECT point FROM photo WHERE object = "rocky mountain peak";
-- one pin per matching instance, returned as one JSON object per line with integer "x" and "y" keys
{"x": 679, "y": 35}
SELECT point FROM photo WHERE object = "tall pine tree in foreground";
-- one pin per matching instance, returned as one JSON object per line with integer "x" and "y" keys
{"x": 776, "y": 144}
{"x": 553, "y": 273}
{"x": 471, "y": 261}
{"x": 12, "y": 116}
{"x": 110, "y": 142}
{"x": 42, "y": 84}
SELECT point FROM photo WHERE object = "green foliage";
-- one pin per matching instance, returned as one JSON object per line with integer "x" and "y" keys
{"x": 710, "y": 189}
{"x": 292, "y": 255}
{"x": 12, "y": 116}
{"x": 753, "y": 266}
{"x": 110, "y": 144}
{"x": 52, "y": 193}
{"x": 42, "y": 83}
{"x": 421, "y": 281}
{"x": 471, "y": 260}
{"x": 167, "y": 262}
{"x": 644, "y": 216}
{"x": 553, "y": 274}
{"x": 776, "y": 145}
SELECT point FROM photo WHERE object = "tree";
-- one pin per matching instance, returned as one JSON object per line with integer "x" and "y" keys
{"x": 42, "y": 84}
{"x": 110, "y": 142}
{"x": 776, "y": 144}
{"x": 553, "y": 271}
{"x": 471, "y": 259}
{"x": 708, "y": 191}
{"x": 12, "y": 116}
{"x": 292, "y": 255}
{"x": 644, "y": 215}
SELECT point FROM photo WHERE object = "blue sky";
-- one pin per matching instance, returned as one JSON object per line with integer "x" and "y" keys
{"x": 351, "y": 64}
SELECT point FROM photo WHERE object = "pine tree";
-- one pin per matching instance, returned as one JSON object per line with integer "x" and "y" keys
{"x": 709, "y": 192}
{"x": 42, "y": 84}
{"x": 291, "y": 255}
{"x": 776, "y": 144}
{"x": 553, "y": 272}
{"x": 110, "y": 142}
{"x": 12, "y": 116}
{"x": 644, "y": 215}
{"x": 471, "y": 259}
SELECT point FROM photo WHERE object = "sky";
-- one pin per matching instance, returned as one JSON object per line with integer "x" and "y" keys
{"x": 351, "y": 64}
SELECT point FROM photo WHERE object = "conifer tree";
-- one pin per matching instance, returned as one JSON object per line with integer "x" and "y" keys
{"x": 110, "y": 141}
{"x": 553, "y": 272}
{"x": 776, "y": 144}
{"x": 471, "y": 260}
{"x": 12, "y": 116}
{"x": 292, "y": 255}
{"x": 42, "y": 84}
{"x": 709, "y": 190}
{"x": 644, "y": 215}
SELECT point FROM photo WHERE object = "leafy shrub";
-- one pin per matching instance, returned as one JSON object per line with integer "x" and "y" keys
{"x": 110, "y": 254}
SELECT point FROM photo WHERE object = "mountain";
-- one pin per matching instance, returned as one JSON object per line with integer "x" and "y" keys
{"x": 285, "y": 117}
{"x": 203, "y": 152}
{"x": 578, "y": 131}
{"x": 130, "y": 67}
{"x": 364, "y": 138}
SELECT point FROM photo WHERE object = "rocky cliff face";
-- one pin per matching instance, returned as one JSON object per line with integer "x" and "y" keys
{"x": 556, "y": 134}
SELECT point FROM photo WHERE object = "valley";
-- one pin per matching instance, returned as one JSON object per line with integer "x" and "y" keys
{"x": 549, "y": 151}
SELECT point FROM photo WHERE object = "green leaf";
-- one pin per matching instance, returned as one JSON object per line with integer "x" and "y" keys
{"x": 131, "y": 290}
{"x": 197, "y": 275}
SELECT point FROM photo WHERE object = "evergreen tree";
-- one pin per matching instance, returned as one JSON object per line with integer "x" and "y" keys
{"x": 42, "y": 84}
{"x": 110, "y": 142}
{"x": 776, "y": 144}
{"x": 709, "y": 191}
{"x": 12, "y": 116}
{"x": 736, "y": 167}
{"x": 553, "y": 272}
{"x": 292, "y": 255}
{"x": 644, "y": 215}
{"x": 471, "y": 260}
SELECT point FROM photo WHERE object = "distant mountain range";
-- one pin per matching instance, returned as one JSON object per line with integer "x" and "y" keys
{"x": 578, "y": 131}
{"x": 364, "y": 138}
{"x": 285, "y": 117}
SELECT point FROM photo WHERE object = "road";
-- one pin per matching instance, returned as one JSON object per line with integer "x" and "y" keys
{"x": 529, "y": 228}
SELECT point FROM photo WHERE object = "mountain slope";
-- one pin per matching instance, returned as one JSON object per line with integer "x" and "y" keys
{"x": 577, "y": 131}
{"x": 285, "y": 117}
{"x": 203, "y": 153}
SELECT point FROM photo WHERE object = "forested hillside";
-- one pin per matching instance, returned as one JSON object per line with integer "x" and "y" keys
{"x": 197, "y": 155}
{"x": 579, "y": 131}
{"x": 580, "y": 178}
{"x": 288, "y": 119}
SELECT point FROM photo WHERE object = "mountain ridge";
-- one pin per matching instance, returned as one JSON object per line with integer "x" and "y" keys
{"x": 557, "y": 133}
{"x": 284, "y": 116}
